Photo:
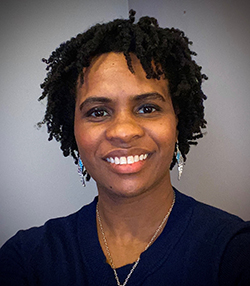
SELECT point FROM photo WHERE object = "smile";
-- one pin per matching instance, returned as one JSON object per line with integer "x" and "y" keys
{"x": 127, "y": 160}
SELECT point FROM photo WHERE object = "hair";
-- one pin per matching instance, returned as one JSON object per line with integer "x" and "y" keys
{"x": 163, "y": 52}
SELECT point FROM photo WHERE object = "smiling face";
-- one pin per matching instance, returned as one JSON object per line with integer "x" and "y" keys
{"x": 125, "y": 127}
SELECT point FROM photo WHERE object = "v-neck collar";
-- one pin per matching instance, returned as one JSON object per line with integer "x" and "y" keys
{"x": 151, "y": 259}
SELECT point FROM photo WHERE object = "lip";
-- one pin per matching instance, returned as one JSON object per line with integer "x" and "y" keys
{"x": 126, "y": 152}
{"x": 127, "y": 160}
{"x": 127, "y": 168}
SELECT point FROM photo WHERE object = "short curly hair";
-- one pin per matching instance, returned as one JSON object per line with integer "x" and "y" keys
{"x": 161, "y": 51}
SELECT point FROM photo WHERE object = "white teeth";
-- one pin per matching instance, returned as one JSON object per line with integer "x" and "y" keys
{"x": 123, "y": 161}
{"x": 130, "y": 159}
{"x": 127, "y": 160}
{"x": 136, "y": 158}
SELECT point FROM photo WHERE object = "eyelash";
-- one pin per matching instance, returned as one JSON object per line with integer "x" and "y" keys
{"x": 149, "y": 106}
{"x": 95, "y": 110}
{"x": 103, "y": 112}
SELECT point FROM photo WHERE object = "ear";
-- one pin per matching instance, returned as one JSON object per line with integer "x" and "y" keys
{"x": 177, "y": 111}
{"x": 177, "y": 131}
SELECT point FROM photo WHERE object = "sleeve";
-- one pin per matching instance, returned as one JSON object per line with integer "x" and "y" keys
{"x": 12, "y": 272}
{"x": 235, "y": 264}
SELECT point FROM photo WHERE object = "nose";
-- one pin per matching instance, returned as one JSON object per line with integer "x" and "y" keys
{"x": 124, "y": 129}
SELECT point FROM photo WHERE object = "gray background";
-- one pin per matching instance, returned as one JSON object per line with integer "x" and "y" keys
{"x": 38, "y": 183}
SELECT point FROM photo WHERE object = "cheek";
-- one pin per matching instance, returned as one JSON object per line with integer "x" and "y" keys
{"x": 165, "y": 137}
{"x": 83, "y": 138}
{"x": 166, "y": 131}
{"x": 88, "y": 140}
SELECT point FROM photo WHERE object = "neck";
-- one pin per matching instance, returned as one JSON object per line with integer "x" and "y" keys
{"x": 132, "y": 216}
{"x": 130, "y": 225}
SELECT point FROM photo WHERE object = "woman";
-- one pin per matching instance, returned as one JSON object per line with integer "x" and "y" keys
{"x": 125, "y": 101}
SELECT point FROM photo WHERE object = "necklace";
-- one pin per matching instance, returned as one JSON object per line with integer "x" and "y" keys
{"x": 137, "y": 261}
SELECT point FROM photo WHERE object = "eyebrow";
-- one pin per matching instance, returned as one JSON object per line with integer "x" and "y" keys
{"x": 94, "y": 99}
{"x": 149, "y": 95}
{"x": 139, "y": 97}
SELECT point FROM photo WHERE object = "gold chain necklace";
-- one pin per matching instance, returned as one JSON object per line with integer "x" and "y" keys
{"x": 137, "y": 261}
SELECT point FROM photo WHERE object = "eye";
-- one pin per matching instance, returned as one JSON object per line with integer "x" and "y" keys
{"x": 97, "y": 112}
{"x": 148, "y": 108}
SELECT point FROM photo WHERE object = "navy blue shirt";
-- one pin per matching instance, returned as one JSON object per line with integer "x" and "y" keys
{"x": 200, "y": 245}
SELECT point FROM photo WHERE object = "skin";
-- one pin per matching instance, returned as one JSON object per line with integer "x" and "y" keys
{"x": 120, "y": 114}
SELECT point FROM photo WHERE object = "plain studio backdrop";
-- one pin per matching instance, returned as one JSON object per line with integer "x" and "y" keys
{"x": 38, "y": 183}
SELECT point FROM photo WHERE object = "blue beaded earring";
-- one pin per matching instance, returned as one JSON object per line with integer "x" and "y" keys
{"x": 81, "y": 171}
{"x": 180, "y": 161}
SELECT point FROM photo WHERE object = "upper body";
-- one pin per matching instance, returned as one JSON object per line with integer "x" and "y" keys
{"x": 125, "y": 100}
{"x": 191, "y": 250}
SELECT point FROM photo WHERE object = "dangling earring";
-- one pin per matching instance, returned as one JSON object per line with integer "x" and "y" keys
{"x": 180, "y": 161}
{"x": 81, "y": 171}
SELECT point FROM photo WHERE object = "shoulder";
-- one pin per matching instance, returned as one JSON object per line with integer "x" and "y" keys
{"x": 207, "y": 218}
{"x": 39, "y": 250}
{"x": 207, "y": 227}
{"x": 54, "y": 230}
{"x": 214, "y": 238}
{"x": 235, "y": 263}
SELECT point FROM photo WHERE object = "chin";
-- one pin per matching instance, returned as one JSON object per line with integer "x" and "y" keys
{"x": 127, "y": 190}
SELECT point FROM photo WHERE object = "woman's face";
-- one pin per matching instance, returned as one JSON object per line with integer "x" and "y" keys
{"x": 125, "y": 126}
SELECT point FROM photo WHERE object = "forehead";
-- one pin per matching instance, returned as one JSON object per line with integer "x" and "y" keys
{"x": 109, "y": 73}
{"x": 114, "y": 61}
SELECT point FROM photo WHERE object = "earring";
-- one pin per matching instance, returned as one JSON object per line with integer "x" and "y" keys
{"x": 180, "y": 161}
{"x": 81, "y": 171}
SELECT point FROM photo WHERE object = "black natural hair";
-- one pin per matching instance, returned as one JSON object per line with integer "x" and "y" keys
{"x": 161, "y": 51}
